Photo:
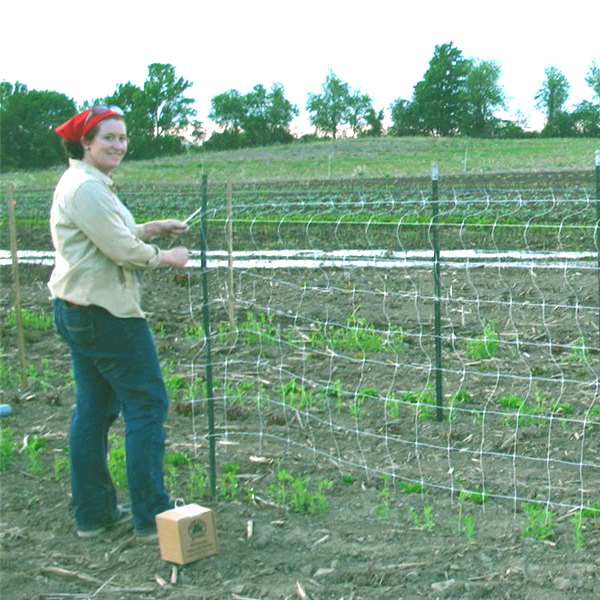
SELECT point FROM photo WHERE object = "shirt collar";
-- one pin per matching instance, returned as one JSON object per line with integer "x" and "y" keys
{"x": 91, "y": 170}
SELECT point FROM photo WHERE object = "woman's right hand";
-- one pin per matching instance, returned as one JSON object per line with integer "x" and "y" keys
{"x": 175, "y": 257}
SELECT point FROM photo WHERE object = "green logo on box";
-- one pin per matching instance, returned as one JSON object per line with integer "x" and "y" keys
{"x": 197, "y": 529}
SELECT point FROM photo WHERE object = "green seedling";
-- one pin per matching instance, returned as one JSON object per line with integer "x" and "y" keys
{"x": 456, "y": 399}
{"x": 358, "y": 336}
{"x": 197, "y": 480}
{"x": 358, "y": 400}
{"x": 226, "y": 333}
{"x": 193, "y": 331}
{"x": 184, "y": 476}
{"x": 411, "y": 487}
{"x": 228, "y": 487}
{"x": 460, "y": 397}
{"x": 297, "y": 395}
{"x": 174, "y": 460}
{"x": 348, "y": 478}
{"x": 32, "y": 451}
{"x": 423, "y": 401}
{"x": 428, "y": 518}
{"x": 9, "y": 376}
{"x": 117, "y": 464}
{"x": 579, "y": 353}
{"x": 8, "y": 447}
{"x": 174, "y": 382}
{"x": 238, "y": 393}
{"x": 60, "y": 467}
{"x": 294, "y": 492}
{"x": 423, "y": 520}
{"x": 46, "y": 377}
{"x": 38, "y": 321}
{"x": 595, "y": 411}
{"x": 592, "y": 511}
{"x": 171, "y": 479}
{"x": 534, "y": 412}
{"x": 540, "y": 522}
{"x": 577, "y": 520}
{"x": 525, "y": 414}
{"x": 475, "y": 496}
{"x": 383, "y": 509}
{"x": 392, "y": 408}
{"x": 468, "y": 522}
{"x": 260, "y": 331}
{"x": 333, "y": 391}
{"x": 485, "y": 345}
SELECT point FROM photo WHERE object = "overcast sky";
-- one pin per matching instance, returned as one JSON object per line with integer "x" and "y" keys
{"x": 382, "y": 47}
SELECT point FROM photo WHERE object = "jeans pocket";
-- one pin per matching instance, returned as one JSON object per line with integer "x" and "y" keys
{"x": 79, "y": 324}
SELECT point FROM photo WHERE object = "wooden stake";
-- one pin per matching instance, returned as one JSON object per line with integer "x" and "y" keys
{"x": 17, "y": 286}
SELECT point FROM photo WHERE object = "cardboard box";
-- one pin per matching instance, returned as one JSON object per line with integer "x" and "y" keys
{"x": 187, "y": 533}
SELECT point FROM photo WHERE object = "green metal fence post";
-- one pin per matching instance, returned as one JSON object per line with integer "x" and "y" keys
{"x": 435, "y": 174}
{"x": 210, "y": 412}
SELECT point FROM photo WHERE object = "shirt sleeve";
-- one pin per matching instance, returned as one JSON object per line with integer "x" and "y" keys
{"x": 97, "y": 213}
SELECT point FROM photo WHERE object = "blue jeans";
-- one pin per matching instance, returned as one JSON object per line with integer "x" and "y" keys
{"x": 116, "y": 370}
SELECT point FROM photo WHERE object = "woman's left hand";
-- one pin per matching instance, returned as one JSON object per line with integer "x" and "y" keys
{"x": 172, "y": 228}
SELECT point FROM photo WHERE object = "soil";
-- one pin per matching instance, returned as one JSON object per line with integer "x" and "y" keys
{"x": 376, "y": 539}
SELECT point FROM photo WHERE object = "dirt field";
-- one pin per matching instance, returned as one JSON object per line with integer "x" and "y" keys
{"x": 376, "y": 539}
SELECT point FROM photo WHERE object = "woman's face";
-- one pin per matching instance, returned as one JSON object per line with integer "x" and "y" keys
{"x": 107, "y": 149}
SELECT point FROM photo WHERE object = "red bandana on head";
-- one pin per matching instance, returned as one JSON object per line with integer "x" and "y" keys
{"x": 80, "y": 124}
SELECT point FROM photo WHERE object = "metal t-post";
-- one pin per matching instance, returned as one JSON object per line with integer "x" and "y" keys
{"x": 210, "y": 412}
{"x": 435, "y": 175}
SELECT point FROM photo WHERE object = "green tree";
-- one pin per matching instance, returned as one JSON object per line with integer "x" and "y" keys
{"x": 28, "y": 118}
{"x": 330, "y": 109}
{"x": 360, "y": 110}
{"x": 585, "y": 119}
{"x": 158, "y": 115}
{"x": 258, "y": 118}
{"x": 227, "y": 110}
{"x": 171, "y": 111}
{"x": 483, "y": 96}
{"x": 593, "y": 79}
{"x": 586, "y": 116}
{"x": 280, "y": 114}
{"x": 340, "y": 105}
{"x": 267, "y": 116}
{"x": 551, "y": 98}
{"x": 403, "y": 116}
{"x": 374, "y": 123}
{"x": 439, "y": 98}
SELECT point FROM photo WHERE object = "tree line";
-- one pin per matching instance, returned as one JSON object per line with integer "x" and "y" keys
{"x": 457, "y": 96}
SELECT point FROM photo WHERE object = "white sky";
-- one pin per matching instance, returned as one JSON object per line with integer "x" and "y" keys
{"x": 382, "y": 47}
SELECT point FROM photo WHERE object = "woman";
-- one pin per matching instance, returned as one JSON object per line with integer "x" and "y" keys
{"x": 95, "y": 291}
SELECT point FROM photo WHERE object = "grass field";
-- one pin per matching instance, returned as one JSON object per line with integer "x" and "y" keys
{"x": 341, "y": 159}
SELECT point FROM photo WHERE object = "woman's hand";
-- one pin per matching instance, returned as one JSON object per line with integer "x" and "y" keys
{"x": 171, "y": 228}
{"x": 175, "y": 257}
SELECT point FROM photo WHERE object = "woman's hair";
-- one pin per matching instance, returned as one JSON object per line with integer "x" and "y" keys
{"x": 75, "y": 149}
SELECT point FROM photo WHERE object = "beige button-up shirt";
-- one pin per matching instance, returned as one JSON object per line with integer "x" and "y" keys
{"x": 97, "y": 243}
